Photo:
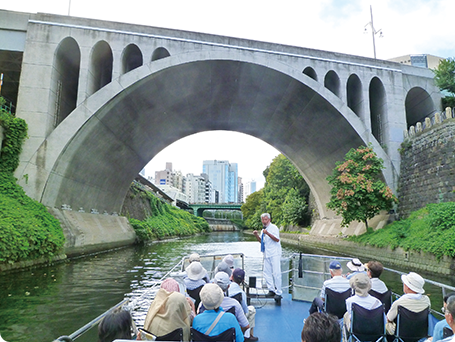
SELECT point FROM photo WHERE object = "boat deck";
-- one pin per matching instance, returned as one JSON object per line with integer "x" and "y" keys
{"x": 279, "y": 322}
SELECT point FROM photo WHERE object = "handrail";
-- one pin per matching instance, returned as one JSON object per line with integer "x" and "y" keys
{"x": 89, "y": 325}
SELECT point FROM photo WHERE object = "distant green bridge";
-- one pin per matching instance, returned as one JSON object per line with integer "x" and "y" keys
{"x": 200, "y": 207}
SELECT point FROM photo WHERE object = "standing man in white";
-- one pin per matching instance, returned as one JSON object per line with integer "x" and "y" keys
{"x": 271, "y": 247}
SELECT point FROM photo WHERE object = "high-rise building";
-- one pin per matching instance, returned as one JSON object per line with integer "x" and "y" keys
{"x": 240, "y": 191}
{"x": 165, "y": 177}
{"x": 223, "y": 177}
{"x": 249, "y": 188}
{"x": 198, "y": 189}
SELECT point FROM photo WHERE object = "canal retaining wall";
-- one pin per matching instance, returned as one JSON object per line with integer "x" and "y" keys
{"x": 409, "y": 260}
{"x": 427, "y": 164}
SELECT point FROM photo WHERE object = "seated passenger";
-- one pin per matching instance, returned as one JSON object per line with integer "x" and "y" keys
{"x": 413, "y": 299}
{"x": 337, "y": 283}
{"x": 197, "y": 257}
{"x": 169, "y": 311}
{"x": 321, "y": 327}
{"x": 228, "y": 304}
{"x": 450, "y": 317}
{"x": 223, "y": 267}
{"x": 195, "y": 281}
{"x": 438, "y": 329}
{"x": 374, "y": 270}
{"x": 211, "y": 297}
{"x": 356, "y": 267}
{"x": 116, "y": 325}
{"x": 235, "y": 291}
{"x": 361, "y": 284}
{"x": 229, "y": 260}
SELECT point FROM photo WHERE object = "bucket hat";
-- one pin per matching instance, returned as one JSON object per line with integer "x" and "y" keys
{"x": 414, "y": 281}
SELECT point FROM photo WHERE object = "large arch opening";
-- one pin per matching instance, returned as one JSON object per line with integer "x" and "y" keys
{"x": 65, "y": 79}
{"x": 378, "y": 108}
{"x": 100, "y": 69}
{"x": 96, "y": 163}
{"x": 332, "y": 82}
{"x": 131, "y": 58}
{"x": 355, "y": 94}
{"x": 419, "y": 105}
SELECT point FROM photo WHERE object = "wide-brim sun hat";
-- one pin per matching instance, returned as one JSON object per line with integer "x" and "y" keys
{"x": 229, "y": 259}
{"x": 196, "y": 271}
{"x": 355, "y": 265}
{"x": 414, "y": 281}
{"x": 211, "y": 296}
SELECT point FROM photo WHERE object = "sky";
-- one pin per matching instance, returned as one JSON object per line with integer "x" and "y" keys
{"x": 408, "y": 27}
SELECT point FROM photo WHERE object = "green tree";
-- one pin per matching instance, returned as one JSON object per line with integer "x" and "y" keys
{"x": 358, "y": 193}
{"x": 251, "y": 209}
{"x": 284, "y": 196}
{"x": 444, "y": 76}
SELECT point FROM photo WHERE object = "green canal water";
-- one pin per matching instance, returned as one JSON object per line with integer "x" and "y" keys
{"x": 44, "y": 303}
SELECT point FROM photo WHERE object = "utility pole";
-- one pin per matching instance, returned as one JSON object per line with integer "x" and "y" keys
{"x": 373, "y": 31}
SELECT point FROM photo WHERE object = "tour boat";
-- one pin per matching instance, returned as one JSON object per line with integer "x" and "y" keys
{"x": 276, "y": 319}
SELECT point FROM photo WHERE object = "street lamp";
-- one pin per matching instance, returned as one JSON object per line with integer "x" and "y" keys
{"x": 373, "y": 31}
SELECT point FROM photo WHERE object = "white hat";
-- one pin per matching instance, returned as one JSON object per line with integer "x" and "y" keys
{"x": 222, "y": 280}
{"x": 211, "y": 296}
{"x": 194, "y": 257}
{"x": 414, "y": 281}
{"x": 195, "y": 271}
{"x": 229, "y": 259}
{"x": 355, "y": 265}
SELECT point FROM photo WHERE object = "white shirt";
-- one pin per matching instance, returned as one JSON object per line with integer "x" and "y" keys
{"x": 272, "y": 248}
{"x": 337, "y": 284}
{"x": 378, "y": 285}
{"x": 369, "y": 302}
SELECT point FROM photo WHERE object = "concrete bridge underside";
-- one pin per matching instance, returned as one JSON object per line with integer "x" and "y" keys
{"x": 92, "y": 156}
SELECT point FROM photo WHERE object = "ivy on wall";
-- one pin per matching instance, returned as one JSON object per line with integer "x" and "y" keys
{"x": 27, "y": 230}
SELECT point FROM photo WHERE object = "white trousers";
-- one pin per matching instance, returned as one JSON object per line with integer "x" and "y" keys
{"x": 272, "y": 273}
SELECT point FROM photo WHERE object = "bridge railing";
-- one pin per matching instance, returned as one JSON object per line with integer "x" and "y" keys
{"x": 435, "y": 119}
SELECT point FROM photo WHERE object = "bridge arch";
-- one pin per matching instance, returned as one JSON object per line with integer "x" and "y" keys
{"x": 160, "y": 53}
{"x": 101, "y": 65}
{"x": 65, "y": 79}
{"x": 418, "y": 105}
{"x": 131, "y": 58}
{"x": 91, "y": 158}
{"x": 332, "y": 82}
{"x": 310, "y": 72}
{"x": 355, "y": 95}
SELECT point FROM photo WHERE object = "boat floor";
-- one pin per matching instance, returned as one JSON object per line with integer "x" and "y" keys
{"x": 279, "y": 322}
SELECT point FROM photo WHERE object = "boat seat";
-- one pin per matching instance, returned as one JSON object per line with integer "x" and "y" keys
{"x": 238, "y": 297}
{"x": 367, "y": 325}
{"x": 225, "y": 336}
{"x": 411, "y": 326}
{"x": 385, "y": 298}
{"x": 446, "y": 332}
{"x": 195, "y": 294}
{"x": 176, "y": 335}
{"x": 335, "y": 302}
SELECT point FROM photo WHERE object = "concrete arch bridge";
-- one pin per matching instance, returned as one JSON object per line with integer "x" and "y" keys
{"x": 103, "y": 98}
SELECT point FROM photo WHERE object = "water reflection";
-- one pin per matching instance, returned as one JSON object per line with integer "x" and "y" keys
{"x": 44, "y": 303}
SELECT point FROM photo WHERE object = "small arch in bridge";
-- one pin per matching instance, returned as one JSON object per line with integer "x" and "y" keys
{"x": 355, "y": 94}
{"x": 310, "y": 72}
{"x": 160, "y": 53}
{"x": 100, "y": 69}
{"x": 65, "y": 78}
{"x": 132, "y": 58}
{"x": 378, "y": 108}
{"x": 419, "y": 105}
{"x": 332, "y": 82}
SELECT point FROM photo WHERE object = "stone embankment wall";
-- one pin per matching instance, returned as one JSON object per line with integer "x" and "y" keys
{"x": 217, "y": 225}
{"x": 427, "y": 164}
{"x": 409, "y": 260}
